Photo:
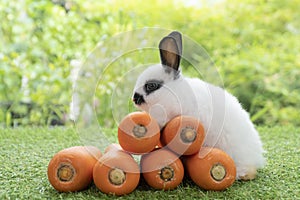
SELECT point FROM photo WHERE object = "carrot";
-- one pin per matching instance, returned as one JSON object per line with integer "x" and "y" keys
{"x": 159, "y": 145}
{"x": 113, "y": 147}
{"x": 211, "y": 169}
{"x": 138, "y": 133}
{"x": 116, "y": 172}
{"x": 71, "y": 169}
{"x": 184, "y": 135}
{"x": 162, "y": 169}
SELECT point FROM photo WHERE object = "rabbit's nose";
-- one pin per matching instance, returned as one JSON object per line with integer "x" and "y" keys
{"x": 138, "y": 99}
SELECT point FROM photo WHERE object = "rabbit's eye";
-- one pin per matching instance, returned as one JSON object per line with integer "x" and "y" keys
{"x": 152, "y": 85}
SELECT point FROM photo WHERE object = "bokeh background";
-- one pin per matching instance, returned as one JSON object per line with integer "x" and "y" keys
{"x": 254, "y": 44}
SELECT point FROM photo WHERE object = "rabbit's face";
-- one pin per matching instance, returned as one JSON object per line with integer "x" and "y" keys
{"x": 152, "y": 85}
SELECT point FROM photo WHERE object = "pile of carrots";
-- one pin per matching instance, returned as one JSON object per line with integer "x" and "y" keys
{"x": 165, "y": 156}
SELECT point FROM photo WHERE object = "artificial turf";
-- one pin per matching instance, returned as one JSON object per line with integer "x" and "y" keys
{"x": 25, "y": 153}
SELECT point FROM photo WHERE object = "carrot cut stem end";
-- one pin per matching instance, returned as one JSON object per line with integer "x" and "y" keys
{"x": 167, "y": 173}
{"x": 117, "y": 176}
{"x": 218, "y": 172}
{"x": 188, "y": 135}
{"x": 65, "y": 172}
{"x": 139, "y": 131}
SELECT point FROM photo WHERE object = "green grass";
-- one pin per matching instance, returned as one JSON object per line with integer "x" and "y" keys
{"x": 25, "y": 154}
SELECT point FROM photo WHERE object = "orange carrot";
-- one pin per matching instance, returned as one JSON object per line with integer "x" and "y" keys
{"x": 162, "y": 169}
{"x": 113, "y": 146}
{"x": 159, "y": 145}
{"x": 184, "y": 135}
{"x": 116, "y": 173}
{"x": 71, "y": 169}
{"x": 211, "y": 169}
{"x": 138, "y": 133}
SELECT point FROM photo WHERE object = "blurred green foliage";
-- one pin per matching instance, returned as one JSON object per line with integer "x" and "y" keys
{"x": 254, "y": 43}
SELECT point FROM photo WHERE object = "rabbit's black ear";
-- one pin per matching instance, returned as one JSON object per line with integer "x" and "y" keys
{"x": 169, "y": 52}
{"x": 177, "y": 36}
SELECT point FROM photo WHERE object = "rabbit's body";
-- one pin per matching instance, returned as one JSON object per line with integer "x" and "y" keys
{"x": 165, "y": 94}
{"x": 228, "y": 127}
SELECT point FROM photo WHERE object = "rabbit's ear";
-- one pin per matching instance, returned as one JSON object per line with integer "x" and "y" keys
{"x": 169, "y": 52}
{"x": 177, "y": 36}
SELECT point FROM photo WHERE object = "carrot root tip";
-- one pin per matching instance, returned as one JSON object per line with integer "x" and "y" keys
{"x": 218, "y": 172}
{"x": 188, "y": 134}
{"x": 65, "y": 172}
{"x": 139, "y": 131}
{"x": 167, "y": 173}
{"x": 116, "y": 176}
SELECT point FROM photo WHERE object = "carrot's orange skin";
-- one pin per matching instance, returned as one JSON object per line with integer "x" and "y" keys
{"x": 129, "y": 142}
{"x": 113, "y": 147}
{"x": 116, "y": 159}
{"x": 153, "y": 162}
{"x": 171, "y": 135}
{"x": 199, "y": 165}
{"x": 82, "y": 159}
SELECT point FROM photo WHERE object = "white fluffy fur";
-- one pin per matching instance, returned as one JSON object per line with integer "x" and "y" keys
{"x": 227, "y": 124}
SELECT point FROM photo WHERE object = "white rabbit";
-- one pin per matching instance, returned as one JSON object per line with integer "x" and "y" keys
{"x": 165, "y": 93}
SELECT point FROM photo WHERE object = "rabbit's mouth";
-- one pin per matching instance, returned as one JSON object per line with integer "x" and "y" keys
{"x": 138, "y": 99}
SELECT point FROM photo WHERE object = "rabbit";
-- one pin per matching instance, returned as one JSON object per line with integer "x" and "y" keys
{"x": 163, "y": 92}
